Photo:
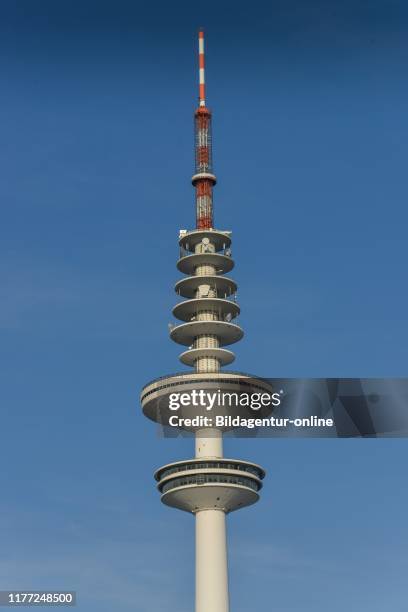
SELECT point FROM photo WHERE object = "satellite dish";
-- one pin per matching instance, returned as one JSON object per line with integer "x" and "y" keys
{"x": 206, "y": 241}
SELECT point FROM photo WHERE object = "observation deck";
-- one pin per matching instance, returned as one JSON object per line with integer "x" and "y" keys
{"x": 155, "y": 396}
{"x": 210, "y": 484}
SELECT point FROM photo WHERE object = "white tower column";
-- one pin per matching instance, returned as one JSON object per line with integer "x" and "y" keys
{"x": 211, "y": 562}
{"x": 208, "y": 443}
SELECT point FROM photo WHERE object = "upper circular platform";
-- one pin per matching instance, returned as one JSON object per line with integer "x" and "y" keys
{"x": 187, "y": 287}
{"x": 188, "y": 309}
{"x": 189, "y": 240}
{"x": 155, "y": 396}
{"x": 222, "y": 263}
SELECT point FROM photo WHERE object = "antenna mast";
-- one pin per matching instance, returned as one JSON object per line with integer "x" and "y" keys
{"x": 203, "y": 179}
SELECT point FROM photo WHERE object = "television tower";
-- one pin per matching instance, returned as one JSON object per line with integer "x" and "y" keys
{"x": 210, "y": 485}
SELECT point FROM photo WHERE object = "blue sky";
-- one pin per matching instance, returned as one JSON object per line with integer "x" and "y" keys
{"x": 310, "y": 149}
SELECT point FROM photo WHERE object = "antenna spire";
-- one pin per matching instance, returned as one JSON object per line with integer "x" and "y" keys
{"x": 201, "y": 67}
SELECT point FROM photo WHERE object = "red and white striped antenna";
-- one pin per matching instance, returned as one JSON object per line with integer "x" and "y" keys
{"x": 201, "y": 67}
{"x": 204, "y": 178}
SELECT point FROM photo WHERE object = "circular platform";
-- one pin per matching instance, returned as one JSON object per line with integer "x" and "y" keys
{"x": 155, "y": 396}
{"x": 209, "y": 176}
{"x": 187, "y": 287}
{"x": 227, "y": 333}
{"x": 209, "y": 496}
{"x": 222, "y": 263}
{"x": 224, "y": 356}
{"x": 208, "y": 483}
{"x": 185, "y": 310}
{"x": 224, "y": 463}
{"x": 219, "y": 239}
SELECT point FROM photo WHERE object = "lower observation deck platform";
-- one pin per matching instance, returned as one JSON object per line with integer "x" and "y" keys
{"x": 210, "y": 483}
